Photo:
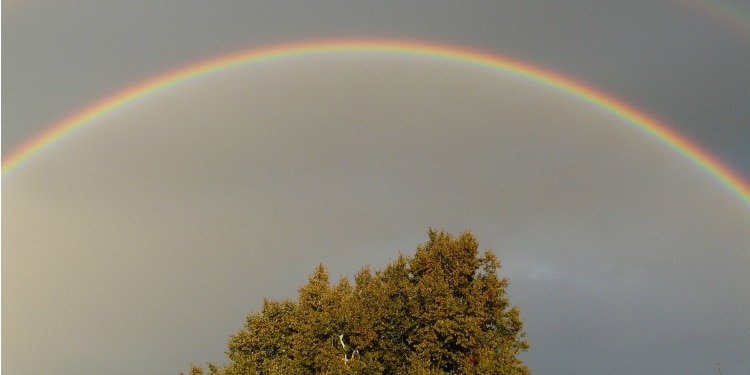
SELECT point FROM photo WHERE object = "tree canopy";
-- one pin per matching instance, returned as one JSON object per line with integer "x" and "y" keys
{"x": 443, "y": 311}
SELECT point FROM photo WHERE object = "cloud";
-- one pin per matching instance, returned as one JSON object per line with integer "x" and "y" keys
{"x": 143, "y": 240}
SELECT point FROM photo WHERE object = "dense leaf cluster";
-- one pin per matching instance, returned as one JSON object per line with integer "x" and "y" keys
{"x": 444, "y": 311}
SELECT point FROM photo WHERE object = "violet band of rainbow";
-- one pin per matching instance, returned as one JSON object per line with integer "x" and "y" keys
{"x": 637, "y": 119}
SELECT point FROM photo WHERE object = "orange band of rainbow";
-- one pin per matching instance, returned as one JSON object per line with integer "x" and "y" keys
{"x": 520, "y": 69}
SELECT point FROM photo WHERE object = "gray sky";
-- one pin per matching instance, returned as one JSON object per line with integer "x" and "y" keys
{"x": 139, "y": 244}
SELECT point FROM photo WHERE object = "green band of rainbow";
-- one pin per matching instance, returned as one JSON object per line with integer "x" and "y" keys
{"x": 524, "y": 70}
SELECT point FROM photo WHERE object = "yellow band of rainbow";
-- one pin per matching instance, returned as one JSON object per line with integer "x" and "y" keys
{"x": 524, "y": 70}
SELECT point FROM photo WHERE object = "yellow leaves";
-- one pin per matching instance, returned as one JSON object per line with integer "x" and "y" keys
{"x": 444, "y": 310}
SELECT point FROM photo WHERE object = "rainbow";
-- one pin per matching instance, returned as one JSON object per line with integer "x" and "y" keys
{"x": 726, "y": 14}
{"x": 523, "y": 70}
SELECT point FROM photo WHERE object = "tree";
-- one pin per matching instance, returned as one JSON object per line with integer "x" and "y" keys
{"x": 442, "y": 311}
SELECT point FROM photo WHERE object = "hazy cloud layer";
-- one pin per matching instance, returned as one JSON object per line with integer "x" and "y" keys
{"x": 140, "y": 243}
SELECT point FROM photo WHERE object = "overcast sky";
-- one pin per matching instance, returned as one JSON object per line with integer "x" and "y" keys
{"x": 139, "y": 244}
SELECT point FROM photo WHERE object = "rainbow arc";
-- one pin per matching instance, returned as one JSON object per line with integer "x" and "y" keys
{"x": 637, "y": 119}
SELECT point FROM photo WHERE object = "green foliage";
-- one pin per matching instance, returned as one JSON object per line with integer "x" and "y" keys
{"x": 444, "y": 311}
